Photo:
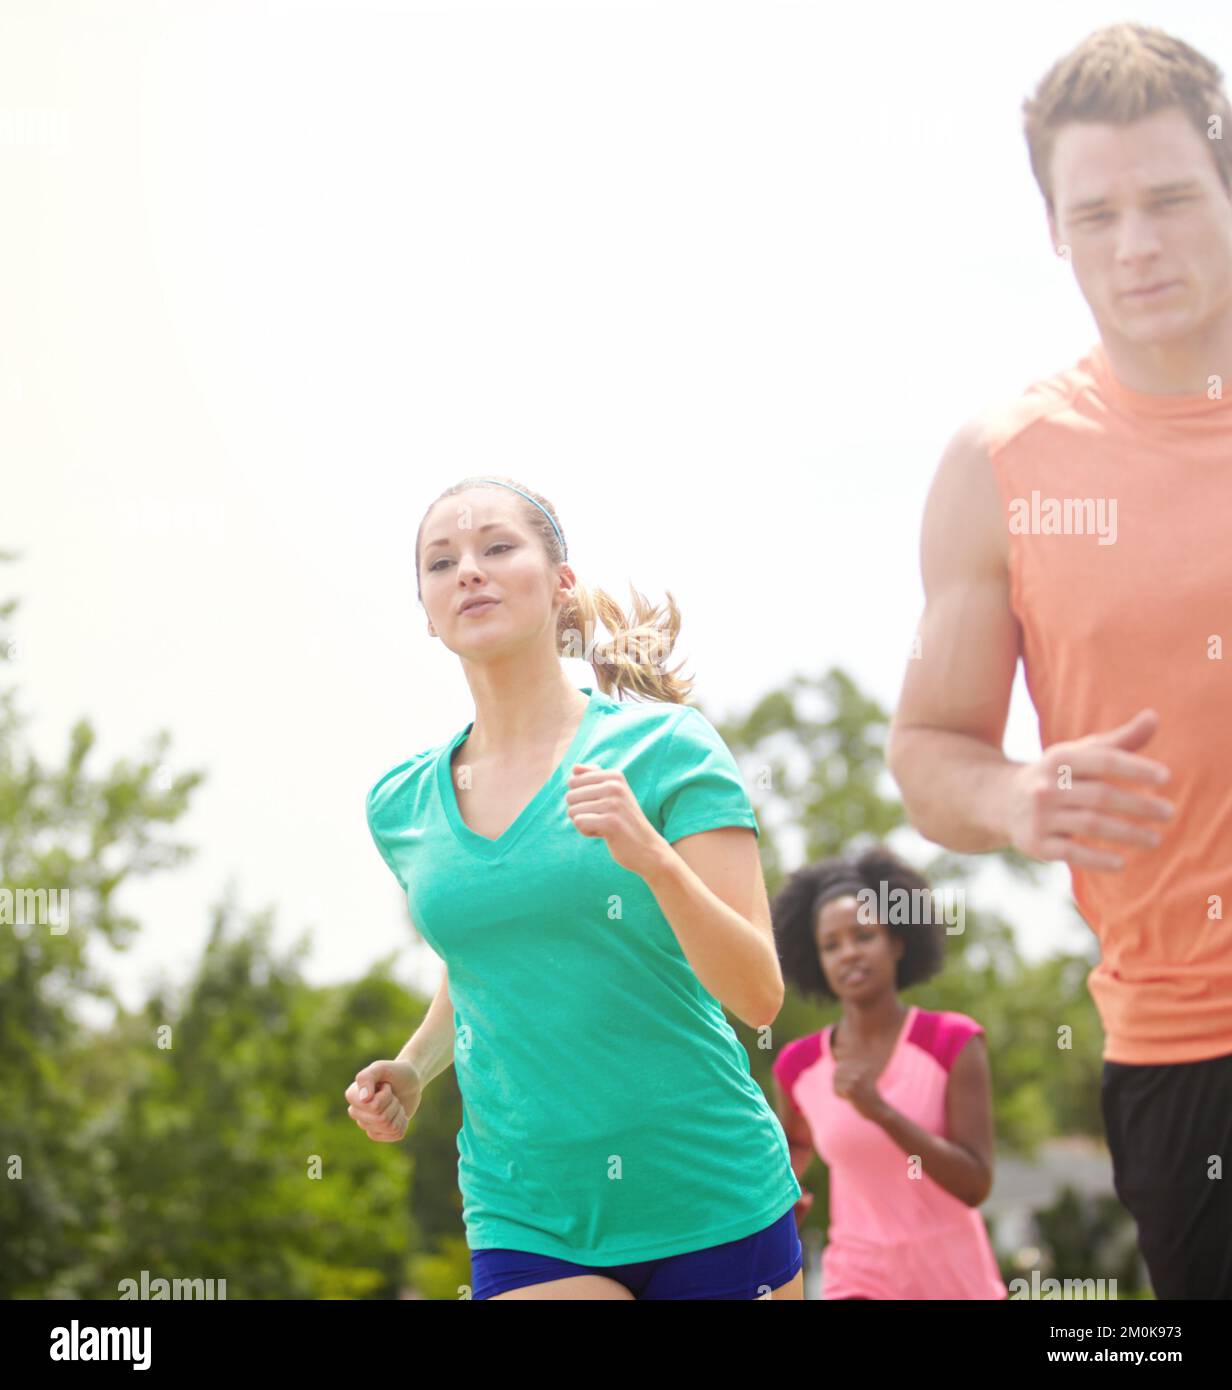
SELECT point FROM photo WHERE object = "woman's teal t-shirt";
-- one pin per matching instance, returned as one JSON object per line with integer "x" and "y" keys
{"x": 609, "y": 1112}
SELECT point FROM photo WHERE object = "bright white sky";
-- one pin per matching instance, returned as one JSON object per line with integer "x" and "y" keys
{"x": 720, "y": 279}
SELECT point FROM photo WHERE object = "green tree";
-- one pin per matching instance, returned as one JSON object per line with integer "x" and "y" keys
{"x": 68, "y": 831}
{"x": 234, "y": 1155}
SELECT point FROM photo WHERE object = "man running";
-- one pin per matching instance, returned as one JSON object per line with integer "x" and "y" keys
{"x": 1087, "y": 526}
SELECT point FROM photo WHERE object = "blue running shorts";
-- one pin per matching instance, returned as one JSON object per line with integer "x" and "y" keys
{"x": 740, "y": 1269}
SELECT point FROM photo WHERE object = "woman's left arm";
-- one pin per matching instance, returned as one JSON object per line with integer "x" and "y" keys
{"x": 962, "y": 1163}
{"x": 709, "y": 886}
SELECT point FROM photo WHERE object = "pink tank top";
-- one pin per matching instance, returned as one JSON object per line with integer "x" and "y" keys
{"x": 894, "y": 1233}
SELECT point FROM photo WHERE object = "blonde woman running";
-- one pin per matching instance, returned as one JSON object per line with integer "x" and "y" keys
{"x": 587, "y": 869}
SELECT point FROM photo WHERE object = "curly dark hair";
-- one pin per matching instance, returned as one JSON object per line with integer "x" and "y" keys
{"x": 794, "y": 913}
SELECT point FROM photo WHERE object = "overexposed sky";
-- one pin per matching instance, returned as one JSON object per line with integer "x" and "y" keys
{"x": 719, "y": 279}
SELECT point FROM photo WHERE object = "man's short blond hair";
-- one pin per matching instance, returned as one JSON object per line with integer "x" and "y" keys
{"x": 1122, "y": 73}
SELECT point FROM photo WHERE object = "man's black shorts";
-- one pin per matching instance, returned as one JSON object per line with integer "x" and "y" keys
{"x": 1169, "y": 1128}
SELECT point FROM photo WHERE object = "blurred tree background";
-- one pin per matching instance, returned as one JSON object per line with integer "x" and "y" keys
{"x": 206, "y": 1135}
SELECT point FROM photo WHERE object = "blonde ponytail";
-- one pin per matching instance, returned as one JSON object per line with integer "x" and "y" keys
{"x": 634, "y": 658}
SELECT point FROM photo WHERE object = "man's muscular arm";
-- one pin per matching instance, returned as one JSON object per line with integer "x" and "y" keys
{"x": 945, "y": 738}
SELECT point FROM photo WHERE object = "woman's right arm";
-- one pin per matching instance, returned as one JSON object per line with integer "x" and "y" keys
{"x": 385, "y": 1095}
{"x": 430, "y": 1048}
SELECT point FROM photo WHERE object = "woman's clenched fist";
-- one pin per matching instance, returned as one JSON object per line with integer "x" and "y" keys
{"x": 382, "y": 1099}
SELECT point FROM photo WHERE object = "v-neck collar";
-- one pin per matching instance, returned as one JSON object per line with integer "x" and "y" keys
{"x": 481, "y": 845}
{"x": 892, "y": 1059}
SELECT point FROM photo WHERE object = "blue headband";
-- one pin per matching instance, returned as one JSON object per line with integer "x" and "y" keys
{"x": 540, "y": 505}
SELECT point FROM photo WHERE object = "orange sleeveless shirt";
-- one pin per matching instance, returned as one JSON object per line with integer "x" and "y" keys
{"x": 1119, "y": 510}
